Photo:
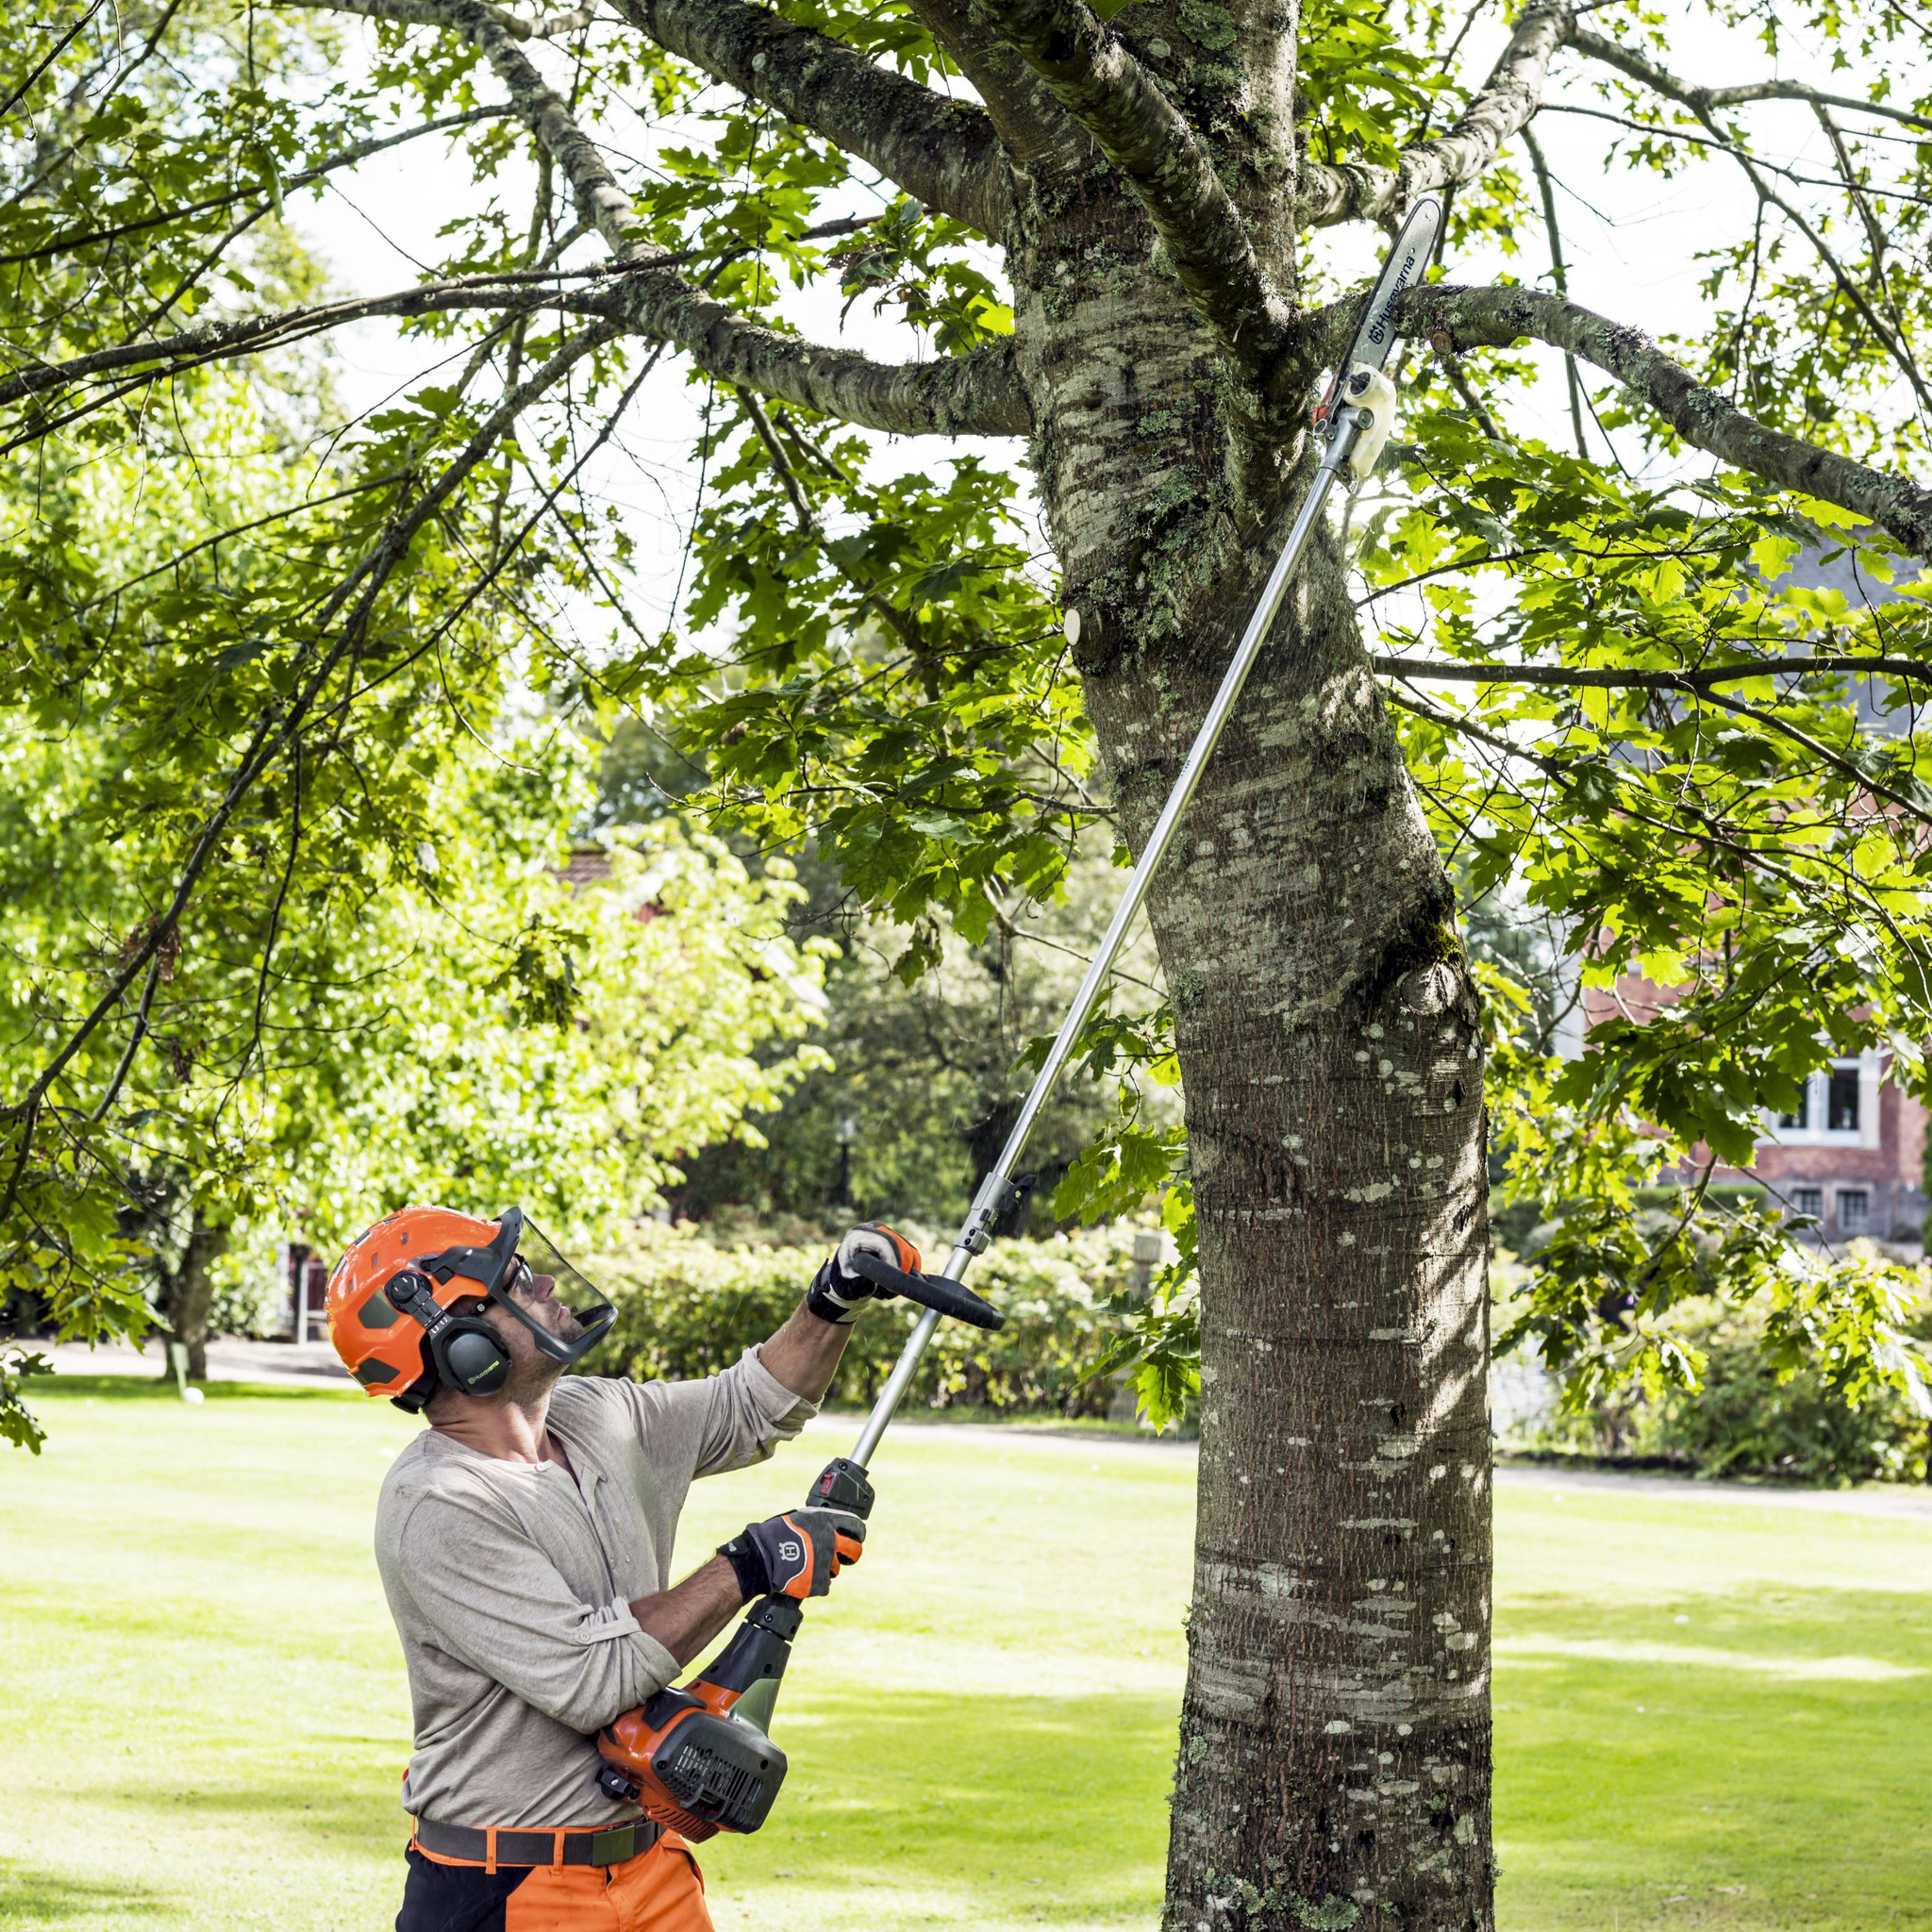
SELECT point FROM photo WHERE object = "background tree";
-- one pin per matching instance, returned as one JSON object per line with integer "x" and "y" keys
{"x": 369, "y": 1008}
{"x": 925, "y": 1082}
{"x": 1108, "y": 251}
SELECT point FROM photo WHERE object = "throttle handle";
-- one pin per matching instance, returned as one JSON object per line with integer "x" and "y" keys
{"x": 937, "y": 1291}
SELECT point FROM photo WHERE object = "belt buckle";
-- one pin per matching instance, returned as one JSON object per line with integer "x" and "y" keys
{"x": 613, "y": 1845}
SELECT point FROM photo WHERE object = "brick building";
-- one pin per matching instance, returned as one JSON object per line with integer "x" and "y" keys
{"x": 1853, "y": 1154}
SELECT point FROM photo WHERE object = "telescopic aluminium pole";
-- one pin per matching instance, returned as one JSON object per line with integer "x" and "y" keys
{"x": 1344, "y": 422}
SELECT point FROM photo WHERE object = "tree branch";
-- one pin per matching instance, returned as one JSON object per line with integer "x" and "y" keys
{"x": 1592, "y": 677}
{"x": 1512, "y": 93}
{"x": 1495, "y": 318}
{"x": 360, "y": 151}
{"x": 249, "y": 334}
{"x": 945, "y": 152}
{"x": 1719, "y": 831}
{"x": 956, "y": 395}
{"x": 1559, "y": 276}
{"x": 1700, "y": 100}
{"x": 599, "y": 199}
{"x": 971, "y": 395}
{"x": 1032, "y": 129}
{"x": 976, "y": 395}
{"x": 979, "y": 394}
{"x": 1090, "y": 72}
{"x": 540, "y": 26}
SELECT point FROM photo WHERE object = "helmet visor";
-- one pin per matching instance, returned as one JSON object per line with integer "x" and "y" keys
{"x": 566, "y": 1312}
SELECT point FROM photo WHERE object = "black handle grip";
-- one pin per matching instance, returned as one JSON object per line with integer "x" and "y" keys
{"x": 929, "y": 1292}
{"x": 759, "y": 1649}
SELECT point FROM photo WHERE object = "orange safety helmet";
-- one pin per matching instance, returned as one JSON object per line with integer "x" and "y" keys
{"x": 395, "y": 1311}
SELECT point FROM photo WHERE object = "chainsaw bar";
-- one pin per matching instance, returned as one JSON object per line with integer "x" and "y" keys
{"x": 1407, "y": 263}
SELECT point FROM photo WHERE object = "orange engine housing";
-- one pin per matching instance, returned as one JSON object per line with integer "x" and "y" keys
{"x": 692, "y": 1765}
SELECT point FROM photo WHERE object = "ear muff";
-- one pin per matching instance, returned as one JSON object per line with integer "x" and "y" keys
{"x": 470, "y": 1357}
{"x": 469, "y": 1354}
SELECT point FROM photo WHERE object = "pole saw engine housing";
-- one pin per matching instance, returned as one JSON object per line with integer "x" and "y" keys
{"x": 692, "y": 1758}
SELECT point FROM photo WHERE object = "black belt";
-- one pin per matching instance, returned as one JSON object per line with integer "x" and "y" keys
{"x": 610, "y": 1847}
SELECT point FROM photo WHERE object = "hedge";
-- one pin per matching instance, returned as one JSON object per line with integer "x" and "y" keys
{"x": 688, "y": 1308}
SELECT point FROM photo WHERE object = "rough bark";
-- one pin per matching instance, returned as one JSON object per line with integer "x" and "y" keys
{"x": 956, "y": 395}
{"x": 1334, "y": 1763}
{"x": 1032, "y": 128}
{"x": 1093, "y": 74}
{"x": 187, "y": 1293}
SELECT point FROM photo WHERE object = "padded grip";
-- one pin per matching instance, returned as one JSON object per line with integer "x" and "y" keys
{"x": 929, "y": 1292}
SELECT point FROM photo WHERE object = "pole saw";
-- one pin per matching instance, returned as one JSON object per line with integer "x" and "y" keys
{"x": 699, "y": 1758}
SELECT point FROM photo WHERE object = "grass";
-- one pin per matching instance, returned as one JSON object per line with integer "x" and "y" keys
{"x": 1707, "y": 1715}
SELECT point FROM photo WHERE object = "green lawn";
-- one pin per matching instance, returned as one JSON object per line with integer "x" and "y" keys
{"x": 1706, "y": 1715}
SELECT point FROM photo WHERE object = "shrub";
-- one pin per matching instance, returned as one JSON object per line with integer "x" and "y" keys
{"x": 1743, "y": 1422}
{"x": 688, "y": 1306}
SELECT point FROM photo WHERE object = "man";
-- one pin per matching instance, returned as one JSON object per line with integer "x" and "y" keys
{"x": 524, "y": 1540}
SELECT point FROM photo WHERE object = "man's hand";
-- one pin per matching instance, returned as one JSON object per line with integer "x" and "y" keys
{"x": 795, "y": 1555}
{"x": 839, "y": 1292}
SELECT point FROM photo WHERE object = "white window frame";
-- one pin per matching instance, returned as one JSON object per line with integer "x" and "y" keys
{"x": 1837, "y": 1210}
{"x": 1871, "y": 1071}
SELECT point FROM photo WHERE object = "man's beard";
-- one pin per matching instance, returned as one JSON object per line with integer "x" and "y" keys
{"x": 560, "y": 1323}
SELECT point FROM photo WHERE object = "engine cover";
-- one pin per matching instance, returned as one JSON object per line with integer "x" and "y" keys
{"x": 690, "y": 1768}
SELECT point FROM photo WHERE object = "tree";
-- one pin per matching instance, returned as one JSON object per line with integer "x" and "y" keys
{"x": 925, "y": 1082}
{"x": 1107, "y": 252}
{"x": 368, "y": 1009}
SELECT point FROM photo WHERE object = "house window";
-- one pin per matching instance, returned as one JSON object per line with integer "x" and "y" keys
{"x": 1836, "y": 1106}
{"x": 1854, "y": 1211}
{"x": 1809, "y": 1201}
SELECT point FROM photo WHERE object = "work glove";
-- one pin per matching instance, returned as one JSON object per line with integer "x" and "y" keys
{"x": 839, "y": 1292}
{"x": 795, "y": 1555}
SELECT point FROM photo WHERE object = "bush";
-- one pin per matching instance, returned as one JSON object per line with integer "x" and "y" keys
{"x": 1743, "y": 1422}
{"x": 688, "y": 1306}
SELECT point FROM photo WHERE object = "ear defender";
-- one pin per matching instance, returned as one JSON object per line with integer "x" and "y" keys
{"x": 473, "y": 1359}
{"x": 470, "y": 1356}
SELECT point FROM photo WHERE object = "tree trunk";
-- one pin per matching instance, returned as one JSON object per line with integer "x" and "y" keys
{"x": 1334, "y": 1763}
{"x": 188, "y": 1292}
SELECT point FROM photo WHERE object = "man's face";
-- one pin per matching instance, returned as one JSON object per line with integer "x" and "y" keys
{"x": 535, "y": 1294}
{"x": 531, "y": 1370}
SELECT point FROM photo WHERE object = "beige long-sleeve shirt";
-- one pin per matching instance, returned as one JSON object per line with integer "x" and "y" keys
{"x": 511, "y": 1582}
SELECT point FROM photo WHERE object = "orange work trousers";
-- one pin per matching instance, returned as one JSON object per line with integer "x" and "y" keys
{"x": 659, "y": 1891}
